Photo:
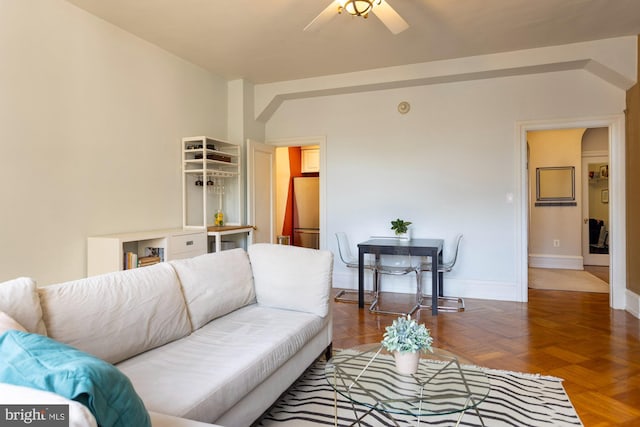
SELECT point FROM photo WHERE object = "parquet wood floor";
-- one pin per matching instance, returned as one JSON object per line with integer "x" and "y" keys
{"x": 571, "y": 335}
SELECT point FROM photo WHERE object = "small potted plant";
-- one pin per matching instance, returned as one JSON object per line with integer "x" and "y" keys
{"x": 401, "y": 227}
{"x": 405, "y": 338}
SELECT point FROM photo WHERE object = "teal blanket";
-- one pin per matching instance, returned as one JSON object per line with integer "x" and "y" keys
{"x": 39, "y": 362}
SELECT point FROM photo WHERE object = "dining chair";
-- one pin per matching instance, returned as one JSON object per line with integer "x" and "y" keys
{"x": 444, "y": 267}
{"x": 344, "y": 251}
{"x": 395, "y": 265}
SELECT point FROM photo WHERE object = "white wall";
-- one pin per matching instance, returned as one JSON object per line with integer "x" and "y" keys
{"x": 449, "y": 165}
{"x": 90, "y": 123}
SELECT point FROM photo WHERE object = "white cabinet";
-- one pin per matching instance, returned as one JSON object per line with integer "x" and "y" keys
{"x": 211, "y": 181}
{"x": 310, "y": 159}
{"x": 187, "y": 245}
{"x": 108, "y": 253}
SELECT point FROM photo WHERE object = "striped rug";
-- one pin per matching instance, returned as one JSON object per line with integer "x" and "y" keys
{"x": 516, "y": 399}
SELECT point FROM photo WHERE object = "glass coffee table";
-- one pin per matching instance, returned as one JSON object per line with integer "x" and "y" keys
{"x": 444, "y": 385}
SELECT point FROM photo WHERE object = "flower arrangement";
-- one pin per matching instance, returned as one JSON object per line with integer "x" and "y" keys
{"x": 400, "y": 226}
{"x": 405, "y": 335}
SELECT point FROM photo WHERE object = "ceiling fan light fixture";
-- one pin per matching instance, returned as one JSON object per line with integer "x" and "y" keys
{"x": 358, "y": 7}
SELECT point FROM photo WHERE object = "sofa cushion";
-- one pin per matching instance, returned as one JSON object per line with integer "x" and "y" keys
{"x": 8, "y": 323}
{"x": 39, "y": 362}
{"x": 212, "y": 369}
{"x": 215, "y": 284}
{"x": 292, "y": 277}
{"x": 19, "y": 299}
{"x": 79, "y": 415}
{"x": 117, "y": 315}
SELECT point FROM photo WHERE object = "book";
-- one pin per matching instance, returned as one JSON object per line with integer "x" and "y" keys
{"x": 130, "y": 260}
{"x": 148, "y": 260}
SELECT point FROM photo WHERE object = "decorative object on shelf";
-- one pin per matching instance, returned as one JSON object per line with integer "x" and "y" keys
{"x": 405, "y": 338}
{"x": 219, "y": 219}
{"x": 401, "y": 228}
{"x": 604, "y": 171}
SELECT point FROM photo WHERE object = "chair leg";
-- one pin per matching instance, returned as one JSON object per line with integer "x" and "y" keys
{"x": 459, "y": 303}
{"x": 342, "y": 295}
{"x": 374, "y": 307}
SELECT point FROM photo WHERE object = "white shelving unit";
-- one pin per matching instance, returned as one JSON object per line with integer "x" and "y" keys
{"x": 211, "y": 180}
{"x": 106, "y": 253}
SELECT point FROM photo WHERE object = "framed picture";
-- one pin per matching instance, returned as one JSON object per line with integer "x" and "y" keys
{"x": 604, "y": 171}
{"x": 604, "y": 196}
{"x": 555, "y": 186}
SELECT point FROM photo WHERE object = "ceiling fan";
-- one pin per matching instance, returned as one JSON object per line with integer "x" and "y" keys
{"x": 389, "y": 17}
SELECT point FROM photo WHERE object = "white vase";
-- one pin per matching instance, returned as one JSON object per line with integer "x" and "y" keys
{"x": 404, "y": 236}
{"x": 407, "y": 362}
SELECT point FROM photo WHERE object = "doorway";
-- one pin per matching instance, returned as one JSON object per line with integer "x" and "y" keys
{"x": 293, "y": 221}
{"x": 595, "y": 208}
{"x": 298, "y": 195}
{"x": 614, "y": 126}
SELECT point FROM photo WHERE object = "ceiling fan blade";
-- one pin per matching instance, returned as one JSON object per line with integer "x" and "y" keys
{"x": 390, "y": 18}
{"x": 325, "y": 16}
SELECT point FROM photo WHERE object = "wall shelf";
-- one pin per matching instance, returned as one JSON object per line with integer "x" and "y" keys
{"x": 211, "y": 181}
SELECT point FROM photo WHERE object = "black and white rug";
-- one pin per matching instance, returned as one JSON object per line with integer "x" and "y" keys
{"x": 516, "y": 399}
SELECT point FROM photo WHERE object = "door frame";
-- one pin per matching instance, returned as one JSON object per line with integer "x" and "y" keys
{"x": 617, "y": 203}
{"x": 321, "y": 142}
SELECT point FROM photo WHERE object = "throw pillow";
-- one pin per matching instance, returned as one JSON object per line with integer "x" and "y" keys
{"x": 19, "y": 299}
{"x": 215, "y": 284}
{"x": 117, "y": 315}
{"x": 7, "y": 323}
{"x": 39, "y": 362}
{"x": 291, "y": 277}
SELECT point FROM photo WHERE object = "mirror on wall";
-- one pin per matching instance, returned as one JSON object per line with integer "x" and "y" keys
{"x": 556, "y": 186}
{"x": 598, "y": 208}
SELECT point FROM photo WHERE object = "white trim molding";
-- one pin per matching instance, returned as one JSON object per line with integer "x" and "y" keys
{"x": 556, "y": 261}
{"x": 633, "y": 303}
{"x": 617, "y": 204}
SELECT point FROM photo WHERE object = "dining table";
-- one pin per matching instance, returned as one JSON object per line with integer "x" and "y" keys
{"x": 410, "y": 247}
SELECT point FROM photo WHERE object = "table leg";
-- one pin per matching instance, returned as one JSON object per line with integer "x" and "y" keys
{"x": 434, "y": 283}
{"x": 360, "y": 278}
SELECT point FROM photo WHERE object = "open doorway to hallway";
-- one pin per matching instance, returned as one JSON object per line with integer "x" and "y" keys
{"x": 569, "y": 208}
{"x": 298, "y": 195}
{"x": 617, "y": 187}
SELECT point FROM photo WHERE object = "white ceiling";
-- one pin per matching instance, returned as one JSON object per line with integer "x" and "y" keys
{"x": 262, "y": 40}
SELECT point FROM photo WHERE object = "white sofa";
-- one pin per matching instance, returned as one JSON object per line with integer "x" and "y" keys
{"x": 215, "y": 339}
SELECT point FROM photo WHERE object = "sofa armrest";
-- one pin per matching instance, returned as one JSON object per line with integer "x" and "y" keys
{"x": 79, "y": 415}
{"x": 292, "y": 277}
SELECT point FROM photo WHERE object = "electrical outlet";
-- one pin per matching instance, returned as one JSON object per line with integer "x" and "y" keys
{"x": 556, "y": 243}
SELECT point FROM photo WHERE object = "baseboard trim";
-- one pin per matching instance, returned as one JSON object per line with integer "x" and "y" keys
{"x": 556, "y": 261}
{"x": 633, "y": 303}
{"x": 476, "y": 289}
